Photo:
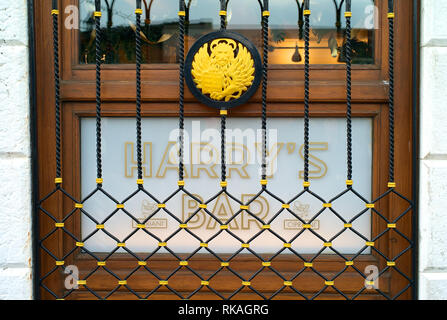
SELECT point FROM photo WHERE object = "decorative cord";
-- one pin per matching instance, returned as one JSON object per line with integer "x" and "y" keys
{"x": 223, "y": 14}
{"x": 223, "y": 160}
{"x": 55, "y": 16}
{"x": 98, "y": 88}
{"x": 181, "y": 87}
{"x": 265, "y": 36}
{"x": 391, "y": 89}
{"x": 223, "y": 113}
{"x": 138, "y": 13}
{"x": 306, "y": 90}
{"x": 348, "y": 89}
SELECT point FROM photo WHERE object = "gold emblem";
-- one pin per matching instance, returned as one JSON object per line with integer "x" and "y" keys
{"x": 224, "y": 70}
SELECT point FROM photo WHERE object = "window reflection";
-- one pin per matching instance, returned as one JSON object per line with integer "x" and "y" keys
{"x": 160, "y": 29}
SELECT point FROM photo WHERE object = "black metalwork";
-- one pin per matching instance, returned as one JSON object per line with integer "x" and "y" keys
{"x": 142, "y": 259}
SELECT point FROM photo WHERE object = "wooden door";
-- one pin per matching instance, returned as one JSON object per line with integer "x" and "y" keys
{"x": 160, "y": 99}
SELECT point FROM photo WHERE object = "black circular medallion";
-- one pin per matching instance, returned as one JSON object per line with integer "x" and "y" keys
{"x": 223, "y": 69}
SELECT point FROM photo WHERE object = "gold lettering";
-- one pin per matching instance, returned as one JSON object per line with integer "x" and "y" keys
{"x": 291, "y": 147}
{"x": 272, "y": 155}
{"x": 319, "y": 164}
{"x": 222, "y": 209}
{"x": 131, "y": 165}
{"x": 259, "y": 208}
{"x": 169, "y": 160}
{"x": 236, "y": 164}
{"x": 202, "y": 163}
{"x": 189, "y": 206}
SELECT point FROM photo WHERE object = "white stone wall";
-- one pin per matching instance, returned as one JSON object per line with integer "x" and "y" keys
{"x": 433, "y": 153}
{"x": 15, "y": 173}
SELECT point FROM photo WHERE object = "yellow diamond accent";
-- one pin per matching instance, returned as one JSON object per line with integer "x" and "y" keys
{"x": 391, "y": 184}
{"x": 266, "y": 264}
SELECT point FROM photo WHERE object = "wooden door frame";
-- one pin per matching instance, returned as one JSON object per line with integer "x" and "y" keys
{"x": 159, "y": 99}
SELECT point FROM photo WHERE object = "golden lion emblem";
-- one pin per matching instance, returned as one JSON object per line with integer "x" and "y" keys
{"x": 222, "y": 73}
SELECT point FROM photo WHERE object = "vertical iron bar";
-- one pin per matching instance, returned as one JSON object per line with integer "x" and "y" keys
{"x": 98, "y": 88}
{"x": 55, "y": 16}
{"x": 265, "y": 36}
{"x": 223, "y": 17}
{"x": 391, "y": 89}
{"x": 348, "y": 55}
{"x": 306, "y": 91}
{"x": 138, "y": 13}
{"x": 223, "y": 113}
{"x": 181, "y": 86}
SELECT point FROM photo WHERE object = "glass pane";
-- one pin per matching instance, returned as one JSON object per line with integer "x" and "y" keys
{"x": 160, "y": 29}
{"x": 202, "y": 176}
